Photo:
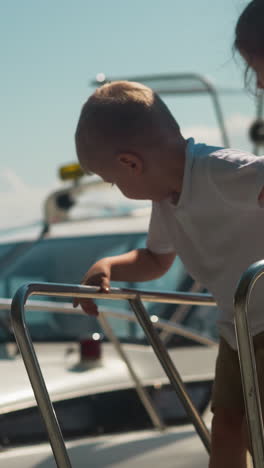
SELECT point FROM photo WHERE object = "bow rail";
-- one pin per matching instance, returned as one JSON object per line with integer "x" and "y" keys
{"x": 135, "y": 298}
{"x": 247, "y": 360}
{"x": 167, "y": 326}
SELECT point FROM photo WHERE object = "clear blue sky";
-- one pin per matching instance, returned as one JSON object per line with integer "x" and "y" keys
{"x": 50, "y": 50}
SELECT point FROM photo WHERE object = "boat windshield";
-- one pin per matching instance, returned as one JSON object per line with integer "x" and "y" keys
{"x": 65, "y": 260}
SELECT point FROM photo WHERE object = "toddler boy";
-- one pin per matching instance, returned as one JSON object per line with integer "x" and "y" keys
{"x": 206, "y": 207}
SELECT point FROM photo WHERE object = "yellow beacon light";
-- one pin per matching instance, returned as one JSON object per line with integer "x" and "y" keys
{"x": 71, "y": 172}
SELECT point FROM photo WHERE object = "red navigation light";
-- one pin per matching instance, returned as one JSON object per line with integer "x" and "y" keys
{"x": 90, "y": 348}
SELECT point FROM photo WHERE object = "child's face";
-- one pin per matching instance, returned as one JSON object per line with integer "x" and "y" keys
{"x": 143, "y": 187}
{"x": 132, "y": 179}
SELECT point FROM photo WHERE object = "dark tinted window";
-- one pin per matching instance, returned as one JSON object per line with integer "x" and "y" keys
{"x": 65, "y": 261}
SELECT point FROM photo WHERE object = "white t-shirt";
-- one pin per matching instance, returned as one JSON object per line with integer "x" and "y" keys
{"x": 217, "y": 226}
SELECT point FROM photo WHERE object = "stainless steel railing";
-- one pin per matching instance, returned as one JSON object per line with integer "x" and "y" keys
{"x": 167, "y": 326}
{"x": 135, "y": 298}
{"x": 247, "y": 361}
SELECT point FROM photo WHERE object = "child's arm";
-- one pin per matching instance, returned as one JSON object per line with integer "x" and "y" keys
{"x": 136, "y": 265}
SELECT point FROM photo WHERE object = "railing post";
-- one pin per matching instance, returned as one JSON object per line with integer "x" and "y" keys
{"x": 68, "y": 290}
{"x": 38, "y": 384}
{"x": 141, "y": 391}
{"x": 248, "y": 363}
{"x": 170, "y": 370}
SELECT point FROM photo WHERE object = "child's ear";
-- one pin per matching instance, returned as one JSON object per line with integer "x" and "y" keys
{"x": 131, "y": 162}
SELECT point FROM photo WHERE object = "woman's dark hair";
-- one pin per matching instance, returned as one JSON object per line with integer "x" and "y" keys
{"x": 249, "y": 32}
{"x": 249, "y": 36}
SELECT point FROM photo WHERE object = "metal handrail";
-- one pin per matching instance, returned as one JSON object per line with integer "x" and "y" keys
{"x": 168, "y": 326}
{"x": 65, "y": 290}
{"x": 247, "y": 361}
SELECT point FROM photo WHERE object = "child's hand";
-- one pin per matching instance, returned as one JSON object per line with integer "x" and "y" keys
{"x": 97, "y": 275}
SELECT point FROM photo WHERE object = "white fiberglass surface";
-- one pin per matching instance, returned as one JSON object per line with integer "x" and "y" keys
{"x": 66, "y": 379}
{"x": 179, "y": 447}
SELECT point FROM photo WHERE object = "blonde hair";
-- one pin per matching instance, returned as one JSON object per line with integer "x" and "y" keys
{"x": 122, "y": 116}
